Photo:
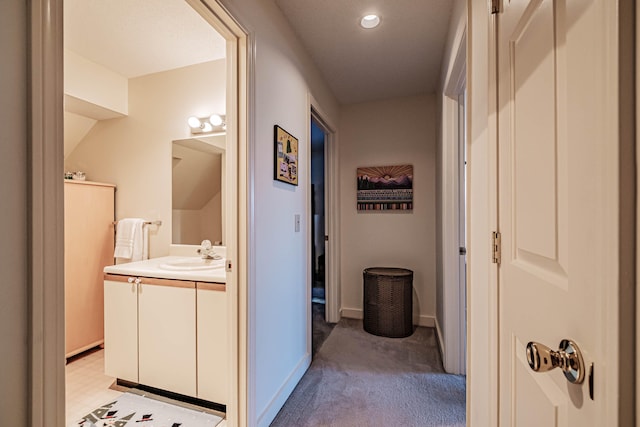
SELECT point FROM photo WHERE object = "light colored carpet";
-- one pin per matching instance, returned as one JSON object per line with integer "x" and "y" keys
{"x": 362, "y": 380}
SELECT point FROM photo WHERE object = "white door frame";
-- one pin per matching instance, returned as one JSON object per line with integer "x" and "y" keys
{"x": 332, "y": 215}
{"x": 453, "y": 334}
{"x": 482, "y": 219}
{"x": 637, "y": 118}
{"x": 46, "y": 215}
{"x": 46, "y": 257}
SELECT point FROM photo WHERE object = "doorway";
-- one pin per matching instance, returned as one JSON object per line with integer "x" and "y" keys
{"x": 158, "y": 153}
{"x": 452, "y": 322}
{"x": 320, "y": 329}
{"x": 462, "y": 232}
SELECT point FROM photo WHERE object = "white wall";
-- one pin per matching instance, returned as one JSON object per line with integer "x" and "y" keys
{"x": 392, "y": 132}
{"x": 279, "y": 280}
{"x": 14, "y": 256}
{"x": 134, "y": 152}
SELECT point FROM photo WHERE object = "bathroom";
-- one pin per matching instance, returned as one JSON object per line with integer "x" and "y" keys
{"x": 126, "y": 121}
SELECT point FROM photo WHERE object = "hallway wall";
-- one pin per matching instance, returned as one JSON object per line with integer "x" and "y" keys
{"x": 285, "y": 76}
{"x": 391, "y": 132}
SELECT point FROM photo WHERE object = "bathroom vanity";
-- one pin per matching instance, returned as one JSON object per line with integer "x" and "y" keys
{"x": 166, "y": 325}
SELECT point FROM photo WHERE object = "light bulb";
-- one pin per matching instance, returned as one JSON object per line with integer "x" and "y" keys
{"x": 206, "y": 127}
{"x": 194, "y": 122}
{"x": 370, "y": 21}
{"x": 215, "y": 120}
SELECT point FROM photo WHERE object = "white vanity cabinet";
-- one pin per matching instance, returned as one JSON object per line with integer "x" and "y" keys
{"x": 213, "y": 344}
{"x": 169, "y": 334}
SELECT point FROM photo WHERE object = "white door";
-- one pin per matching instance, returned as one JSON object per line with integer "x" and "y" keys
{"x": 558, "y": 206}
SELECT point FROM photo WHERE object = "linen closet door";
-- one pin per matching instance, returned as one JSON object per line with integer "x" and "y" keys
{"x": 88, "y": 240}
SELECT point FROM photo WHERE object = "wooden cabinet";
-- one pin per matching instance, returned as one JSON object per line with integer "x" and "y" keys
{"x": 168, "y": 334}
{"x": 88, "y": 239}
{"x": 213, "y": 343}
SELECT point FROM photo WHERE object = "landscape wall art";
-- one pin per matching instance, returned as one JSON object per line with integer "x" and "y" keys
{"x": 385, "y": 188}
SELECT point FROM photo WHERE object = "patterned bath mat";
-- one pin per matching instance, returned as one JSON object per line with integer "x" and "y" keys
{"x": 132, "y": 410}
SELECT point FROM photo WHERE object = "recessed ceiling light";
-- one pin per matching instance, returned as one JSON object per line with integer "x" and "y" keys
{"x": 370, "y": 21}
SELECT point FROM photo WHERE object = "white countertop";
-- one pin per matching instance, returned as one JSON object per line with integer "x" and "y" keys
{"x": 151, "y": 268}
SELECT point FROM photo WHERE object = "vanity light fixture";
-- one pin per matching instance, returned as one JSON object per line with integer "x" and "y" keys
{"x": 212, "y": 123}
{"x": 370, "y": 21}
{"x": 216, "y": 120}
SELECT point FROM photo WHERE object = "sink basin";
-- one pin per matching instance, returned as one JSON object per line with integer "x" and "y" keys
{"x": 192, "y": 264}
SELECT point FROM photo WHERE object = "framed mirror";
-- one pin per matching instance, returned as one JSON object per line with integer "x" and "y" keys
{"x": 197, "y": 189}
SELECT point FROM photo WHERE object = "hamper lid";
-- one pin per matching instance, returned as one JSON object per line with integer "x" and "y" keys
{"x": 388, "y": 271}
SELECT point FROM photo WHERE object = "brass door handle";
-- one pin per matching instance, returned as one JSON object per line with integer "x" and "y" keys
{"x": 569, "y": 358}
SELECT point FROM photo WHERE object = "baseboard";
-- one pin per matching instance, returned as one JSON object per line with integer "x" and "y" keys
{"x": 266, "y": 417}
{"x": 427, "y": 321}
{"x": 351, "y": 313}
{"x": 357, "y": 313}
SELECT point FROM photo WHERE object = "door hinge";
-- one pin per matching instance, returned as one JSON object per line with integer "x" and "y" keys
{"x": 496, "y": 247}
{"x": 495, "y": 6}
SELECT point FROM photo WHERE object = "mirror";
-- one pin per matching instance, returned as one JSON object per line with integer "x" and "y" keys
{"x": 197, "y": 189}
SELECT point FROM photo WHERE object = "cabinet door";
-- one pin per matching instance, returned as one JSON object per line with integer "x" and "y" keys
{"x": 120, "y": 328}
{"x": 213, "y": 346}
{"x": 88, "y": 237}
{"x": 167, "y": 335}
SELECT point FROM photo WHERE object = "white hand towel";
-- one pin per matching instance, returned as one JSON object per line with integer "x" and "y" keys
{"x": 140, "y": 247}
{"x": 129, "y": 235}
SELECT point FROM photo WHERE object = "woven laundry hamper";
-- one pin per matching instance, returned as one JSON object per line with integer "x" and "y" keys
{"x": 388, "y": 301}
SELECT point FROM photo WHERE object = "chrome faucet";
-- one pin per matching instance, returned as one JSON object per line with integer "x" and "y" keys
{"x": 206, "y": 250}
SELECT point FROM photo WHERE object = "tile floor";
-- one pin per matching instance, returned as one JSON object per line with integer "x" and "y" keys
{"x": 87, "y": 387}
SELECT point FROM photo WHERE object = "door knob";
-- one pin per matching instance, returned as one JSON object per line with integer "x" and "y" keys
{"x": 569, "y": 358}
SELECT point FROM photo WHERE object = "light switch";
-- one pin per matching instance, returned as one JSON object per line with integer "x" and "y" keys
{"x": 297, "y": 221}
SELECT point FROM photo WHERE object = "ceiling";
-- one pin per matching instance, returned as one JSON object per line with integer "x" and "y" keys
{"x": 401, "y": 57}
{"x": 140, "y": 37}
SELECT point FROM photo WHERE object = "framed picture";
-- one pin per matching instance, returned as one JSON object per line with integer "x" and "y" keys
{"x": 286, "y": 156}
{"x": 383, "y": 188}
